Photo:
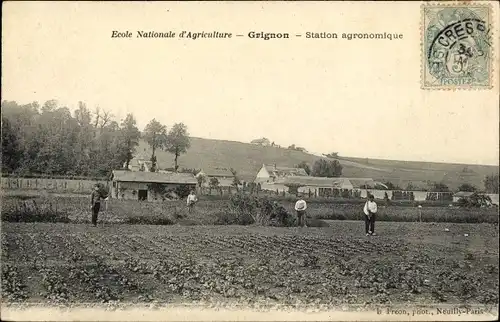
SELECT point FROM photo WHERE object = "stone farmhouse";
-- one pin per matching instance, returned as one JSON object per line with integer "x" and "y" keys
{"x": 139, "y": 185}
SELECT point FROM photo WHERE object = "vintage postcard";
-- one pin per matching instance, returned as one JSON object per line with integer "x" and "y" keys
{"x": 251, "y": 161}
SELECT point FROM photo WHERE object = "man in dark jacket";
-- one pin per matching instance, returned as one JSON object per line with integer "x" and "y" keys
{"x": 95, "y": 200}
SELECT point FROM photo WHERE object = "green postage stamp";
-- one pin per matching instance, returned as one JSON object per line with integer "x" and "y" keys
{"x": 457, "y": 48}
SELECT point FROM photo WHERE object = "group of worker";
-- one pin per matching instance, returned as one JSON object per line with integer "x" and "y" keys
{"x": 369, "y": 209}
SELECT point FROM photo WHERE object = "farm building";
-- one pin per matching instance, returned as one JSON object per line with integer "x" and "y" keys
{"x": 139, "y": 163}
{"x": 223, "y": 175}
{"x": 149, "y": 186}
{"x": 322, "y": 186}
{"x": 262, "y": 141}
{"x": 272, "y": 173}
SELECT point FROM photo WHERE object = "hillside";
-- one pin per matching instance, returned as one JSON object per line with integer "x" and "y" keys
{"x": 248, "y": 158}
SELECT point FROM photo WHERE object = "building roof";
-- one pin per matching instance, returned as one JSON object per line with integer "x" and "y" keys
{"x": 217, "y": 172}
{"x": 336, "y": 183}
{"x": 313, "y": 181}
{"x": 276, "y": 170}
{"x": 222, "y": 182}
{"x": 358, "y": 182}
{"x": 463, "y": 194}
{"x": 153, "y": 177}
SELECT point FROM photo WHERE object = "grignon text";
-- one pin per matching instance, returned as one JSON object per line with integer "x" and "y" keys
{"x": 268, "y": 35}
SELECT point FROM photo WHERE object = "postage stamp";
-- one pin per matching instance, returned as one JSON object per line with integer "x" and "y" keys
{"x": 457, "y": 49}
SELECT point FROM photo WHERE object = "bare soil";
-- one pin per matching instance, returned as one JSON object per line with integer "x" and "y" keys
{"x": 338, "y": 265}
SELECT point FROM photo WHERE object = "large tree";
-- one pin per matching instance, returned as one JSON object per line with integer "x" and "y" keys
{"x": 236, "y": 180}
{"x": 11, "y": 148}
{"x": 155, "y": 135}
{"x": 178, "y": 142}
{"x": 467, "y": 187}
{"x": 51, "y": 140}
{"x": 326, "y": 168}
{"x": 304, "y": 165}
{"x": 84, "y": 149}
{"x": 439, "y": 187}
{"x": 129, "y": 138}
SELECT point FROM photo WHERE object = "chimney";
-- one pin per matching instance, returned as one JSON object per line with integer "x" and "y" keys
{"x": 275, "y": 167}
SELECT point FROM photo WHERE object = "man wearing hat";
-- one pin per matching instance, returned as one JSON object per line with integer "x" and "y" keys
{"x": 300, "y": 208}
{"x": 95, "y": 203}
{"x": 370, "y": 210}
{"x": 191, "y": 201}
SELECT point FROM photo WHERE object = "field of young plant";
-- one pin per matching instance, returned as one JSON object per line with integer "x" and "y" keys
{"x": 61, "y": 263}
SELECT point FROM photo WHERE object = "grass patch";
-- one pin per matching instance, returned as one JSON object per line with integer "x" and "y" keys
{"x": 219, "y": 212}
{"x": 403, "y": 214}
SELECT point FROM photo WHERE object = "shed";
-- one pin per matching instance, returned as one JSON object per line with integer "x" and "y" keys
{"x": 150, "y": 186}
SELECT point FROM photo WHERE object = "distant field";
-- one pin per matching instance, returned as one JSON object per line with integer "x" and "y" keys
{"x": 209, "y": 212}
{"x": 407, "y": 263}
{"x": 248, "y": 158}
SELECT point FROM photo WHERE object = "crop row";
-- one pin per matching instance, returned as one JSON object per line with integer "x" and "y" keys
{"x": 73, "y": 264}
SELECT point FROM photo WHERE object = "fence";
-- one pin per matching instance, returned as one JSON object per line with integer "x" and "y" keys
{"x": 53, "y": 185}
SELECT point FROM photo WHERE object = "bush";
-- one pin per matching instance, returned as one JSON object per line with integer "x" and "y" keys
{"x": 261, "y": 210}
{"x": 232, "y": 218}
{"x": 182, "y": 191}
{"x": 474, "y": 201}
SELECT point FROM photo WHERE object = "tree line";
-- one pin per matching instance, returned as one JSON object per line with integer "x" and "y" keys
{"x": 51, "y": 140}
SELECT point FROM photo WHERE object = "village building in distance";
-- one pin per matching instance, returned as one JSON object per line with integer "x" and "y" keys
{"x": 280, "y": 179}
{"x": 271, "y": 173}
{"x": 325, "y": 187}
{"x": 137, "y": 182}
{"x": 139, "y": 163}
{"x": 223, "y": 175}
{"x": 261, "y": 141}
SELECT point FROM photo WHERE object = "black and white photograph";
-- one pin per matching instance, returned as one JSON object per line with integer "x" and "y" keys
{"x": 250, "y": 161}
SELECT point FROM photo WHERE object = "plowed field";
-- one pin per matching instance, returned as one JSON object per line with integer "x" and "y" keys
{"x": 72, "y": 263}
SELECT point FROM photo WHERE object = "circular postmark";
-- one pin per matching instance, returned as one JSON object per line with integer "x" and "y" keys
{"x": 459, "y": 47}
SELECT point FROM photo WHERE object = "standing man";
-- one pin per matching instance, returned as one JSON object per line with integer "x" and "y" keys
{"x": 370, "y": 210}
{"x": 95, "y": 204}
{"x": 191, "y": 200}
{"x": 300, "y": 208}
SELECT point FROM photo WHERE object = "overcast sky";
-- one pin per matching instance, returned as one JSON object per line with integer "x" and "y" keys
{"x": 360, "y": 98}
